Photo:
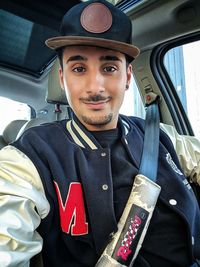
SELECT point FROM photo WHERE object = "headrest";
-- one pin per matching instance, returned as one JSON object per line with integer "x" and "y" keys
{"x": 12, "y": 129}
{"x": 33, "y": 122}
{"x": 55, "y": 94}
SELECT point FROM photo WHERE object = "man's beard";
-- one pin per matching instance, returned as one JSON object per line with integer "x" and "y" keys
{"x": 98, "y": 121}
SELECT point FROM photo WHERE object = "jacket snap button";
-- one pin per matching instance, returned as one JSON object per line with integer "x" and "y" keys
{"x": 105, "y": 187}
{"x": 172, "y": 202}
{"x": 103, "y": 154}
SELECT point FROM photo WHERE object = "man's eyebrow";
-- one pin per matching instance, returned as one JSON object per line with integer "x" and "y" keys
{"x": 76, "y": 58}
{"x": 102, "y": 58}
{"x": 110, "y": 58}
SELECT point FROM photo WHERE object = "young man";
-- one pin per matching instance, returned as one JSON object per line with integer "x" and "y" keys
{"x": 64, "y": 185}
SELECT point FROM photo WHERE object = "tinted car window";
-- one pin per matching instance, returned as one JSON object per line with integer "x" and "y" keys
{"x": 22, "y": 44}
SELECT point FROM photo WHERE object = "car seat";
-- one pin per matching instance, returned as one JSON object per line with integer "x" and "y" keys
{"x": 54, "y": 95}
{"x": 10, "y": 132}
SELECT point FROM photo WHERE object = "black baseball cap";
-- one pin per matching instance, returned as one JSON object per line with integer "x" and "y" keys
{"x": 96, "y": 23}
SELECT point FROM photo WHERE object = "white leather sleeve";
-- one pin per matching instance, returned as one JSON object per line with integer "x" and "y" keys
{"x": 22, "y": 205}
{"x": 188, "y": 152}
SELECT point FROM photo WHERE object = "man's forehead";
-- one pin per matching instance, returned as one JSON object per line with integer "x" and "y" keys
{"x": 86, "y": 51}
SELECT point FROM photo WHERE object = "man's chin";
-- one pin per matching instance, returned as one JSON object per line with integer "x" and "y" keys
{"x": 97, "y": 121}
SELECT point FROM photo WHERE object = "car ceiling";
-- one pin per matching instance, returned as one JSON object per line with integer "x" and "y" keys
{"x": 158, "y": 21}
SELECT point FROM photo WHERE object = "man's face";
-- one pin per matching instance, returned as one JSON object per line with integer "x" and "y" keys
{"x": 95, "y": 81}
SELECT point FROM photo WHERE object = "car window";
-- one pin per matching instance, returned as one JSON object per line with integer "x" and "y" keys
{"x": 133, "y": 105}
{"x": 183, "y": 66}
{"x": 12, "y": 110}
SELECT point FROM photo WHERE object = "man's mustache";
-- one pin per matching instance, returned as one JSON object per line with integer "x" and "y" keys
{"x": 95, "y": 98}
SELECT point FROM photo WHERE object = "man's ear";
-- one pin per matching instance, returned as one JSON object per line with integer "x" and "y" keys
{"x": 61, "y": 78}
{"x": 129, "y": 75}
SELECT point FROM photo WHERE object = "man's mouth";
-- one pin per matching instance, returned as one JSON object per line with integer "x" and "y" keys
{"x": 96, "y": 102}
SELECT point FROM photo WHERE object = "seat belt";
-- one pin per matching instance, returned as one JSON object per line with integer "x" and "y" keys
{"x": 149, "y": 161}
{"x": 133, "y": 224}
{"x": 148, "y": 168}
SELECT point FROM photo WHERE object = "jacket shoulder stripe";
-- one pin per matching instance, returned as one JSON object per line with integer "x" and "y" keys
{"x": 126, "y": 126}
{"x": 84, "y": 136}
{"x": 74, "y": 137}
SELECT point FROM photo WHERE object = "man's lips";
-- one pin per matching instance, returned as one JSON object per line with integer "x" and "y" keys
{"x": 96, "y": 102}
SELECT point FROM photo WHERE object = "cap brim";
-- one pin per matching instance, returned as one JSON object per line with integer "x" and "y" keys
{"x": 57, "y": 42}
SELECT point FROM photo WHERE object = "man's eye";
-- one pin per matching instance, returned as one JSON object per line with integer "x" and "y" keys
{"x": 109, "y": 69}
{"x": 79, "y": 69}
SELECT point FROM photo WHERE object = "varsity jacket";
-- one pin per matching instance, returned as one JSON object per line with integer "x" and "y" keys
{"x": 59, "y": 182}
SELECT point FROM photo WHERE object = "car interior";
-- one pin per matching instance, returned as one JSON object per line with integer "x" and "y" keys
{"x": 166, "y": 31}
{"x": 29, "y": 70}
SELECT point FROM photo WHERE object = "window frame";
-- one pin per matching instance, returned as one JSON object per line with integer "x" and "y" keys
{"x": 171, "y": 98}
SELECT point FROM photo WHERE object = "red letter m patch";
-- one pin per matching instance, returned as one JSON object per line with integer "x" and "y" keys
{"x": 72, "y": 212}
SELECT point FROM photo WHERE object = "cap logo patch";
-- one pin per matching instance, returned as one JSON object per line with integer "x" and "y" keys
{"x": 96, "y": 18}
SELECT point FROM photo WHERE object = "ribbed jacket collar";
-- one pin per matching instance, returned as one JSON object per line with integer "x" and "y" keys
{"x": 84, "y": 138}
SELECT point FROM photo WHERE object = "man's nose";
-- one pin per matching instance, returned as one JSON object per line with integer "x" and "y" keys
{"x": 95, "y": 83}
